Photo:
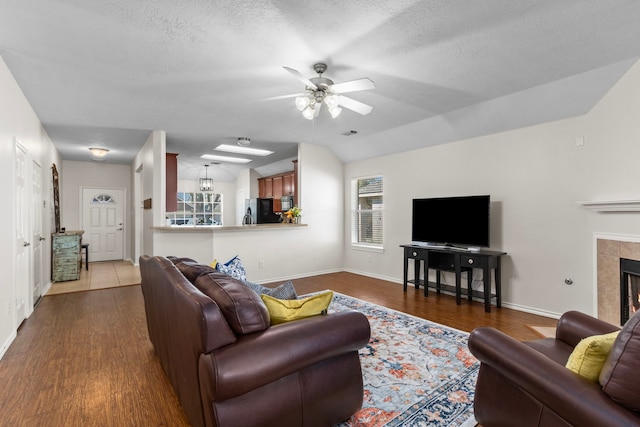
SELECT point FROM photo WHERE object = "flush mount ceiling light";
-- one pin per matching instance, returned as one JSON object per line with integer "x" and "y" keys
{"x": 98, "y": 151}
{"x": 243, "y": 150}
{"x": 206, "y": 183}
{"x": 321, "y": 90}
{"x": 224, "y": 158}
{"x": 244, "y": 142}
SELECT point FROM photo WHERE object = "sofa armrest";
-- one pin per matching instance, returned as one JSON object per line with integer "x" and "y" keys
{"x": 574, "y": 326}
{"x": 263, "y": 357}
{"x": 572, "y": 397}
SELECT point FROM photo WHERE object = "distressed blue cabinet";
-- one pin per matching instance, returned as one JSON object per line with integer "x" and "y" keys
{"x": 65, "y": 256}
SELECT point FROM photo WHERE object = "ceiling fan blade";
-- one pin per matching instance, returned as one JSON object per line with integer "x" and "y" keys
{"x": 292, "y": 95}
{"x": 302, "y": 78}
{"x": 354, "y": 105}
{"x": 353, "y": 86}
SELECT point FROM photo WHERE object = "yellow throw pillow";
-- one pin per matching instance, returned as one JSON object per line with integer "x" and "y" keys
{"x": 286, "y": 310}
{"x": 589, "y": 355}
{"x": 214, "y": 263}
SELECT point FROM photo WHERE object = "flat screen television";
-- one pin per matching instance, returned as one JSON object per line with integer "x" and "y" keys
{"x": 451, "y": 221}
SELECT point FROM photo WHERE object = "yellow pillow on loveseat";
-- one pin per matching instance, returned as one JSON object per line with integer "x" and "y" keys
{"x": 588, "y": 357}
{"x": 286, "y": 310}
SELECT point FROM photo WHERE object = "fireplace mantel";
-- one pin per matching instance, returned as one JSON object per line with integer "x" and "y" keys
{"x": 612, "y": 205}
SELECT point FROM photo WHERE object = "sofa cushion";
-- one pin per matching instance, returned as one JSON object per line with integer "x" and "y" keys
{"x": 233, "y": 268}
{"x": 192, "y": 270}
{"x": 242, "y": 308}
{"x": 284, "y": 291}
{"x": 175, "y": 259}
{"x": 620, "y": 378}
{"x": 588, "y": 357}
{"x": 282, "y": 311}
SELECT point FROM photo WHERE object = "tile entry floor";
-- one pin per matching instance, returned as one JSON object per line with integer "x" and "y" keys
{"x": 101, "y": 275}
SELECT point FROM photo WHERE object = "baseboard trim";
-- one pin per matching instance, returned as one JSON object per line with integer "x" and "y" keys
{"x": 8, "y": 343}
{"x": 374, "y": 276}
{"x": 298, "y": 276}
{"x": 46, "y": 288}
{"x": 531, "y": 310}
{"x": 509, "y": 305}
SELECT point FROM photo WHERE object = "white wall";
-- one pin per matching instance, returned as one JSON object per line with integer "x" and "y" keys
{"x": 535, "y": 176}
{"x": 288, "y": 252}
{"x": 17, "y": 120}
{"x": 149, "y": 182}
{"x": 96, "y": 175}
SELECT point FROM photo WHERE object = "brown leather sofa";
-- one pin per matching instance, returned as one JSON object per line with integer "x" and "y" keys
{"x": 230, "y": 368}
{"x": 527, "y": 384}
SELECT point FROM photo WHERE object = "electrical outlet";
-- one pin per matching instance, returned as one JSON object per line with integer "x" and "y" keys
{"x": 369, "y": 259}
{"x": 261, "y": 263}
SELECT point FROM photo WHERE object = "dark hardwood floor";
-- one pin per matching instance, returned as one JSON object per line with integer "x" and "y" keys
{"x": 437, "y": 308}
{"x": 84, "y": 359}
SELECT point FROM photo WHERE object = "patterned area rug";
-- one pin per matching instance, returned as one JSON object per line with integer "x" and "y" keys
{"x": 416, "y": 372}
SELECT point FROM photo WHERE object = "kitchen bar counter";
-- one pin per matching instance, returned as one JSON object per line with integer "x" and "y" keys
{"x": 220, "y": 229}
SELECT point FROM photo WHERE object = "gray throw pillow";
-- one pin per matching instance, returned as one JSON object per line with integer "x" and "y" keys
{"x": 284, "y": 291}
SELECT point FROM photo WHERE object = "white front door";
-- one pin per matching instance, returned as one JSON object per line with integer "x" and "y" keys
{"x": 103, "y": 223}
{"x": 36, "y": 233}
{"x": 23, "y": 236}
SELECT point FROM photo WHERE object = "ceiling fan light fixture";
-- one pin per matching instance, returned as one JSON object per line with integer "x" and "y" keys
{"x": 308, "y": 113}
{"x": 334, "y": 111}
{"x": 321, "y": 90}
{"x": 332, "y": 100}
{"x": 302, "y": 102}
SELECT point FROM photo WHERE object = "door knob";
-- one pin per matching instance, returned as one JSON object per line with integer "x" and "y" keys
{"x": 118, "y": 229}
{"x": 26, "y": 244}
{"x": 42, "y": 238}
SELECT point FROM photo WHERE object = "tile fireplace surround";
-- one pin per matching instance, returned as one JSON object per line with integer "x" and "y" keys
{"x": 609, "y": 250}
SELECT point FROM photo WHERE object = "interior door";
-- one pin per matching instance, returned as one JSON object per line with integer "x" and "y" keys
{"x": 103, "y": 223}
{"x": 23, "y": 237}
{"x": 38, "y": 212}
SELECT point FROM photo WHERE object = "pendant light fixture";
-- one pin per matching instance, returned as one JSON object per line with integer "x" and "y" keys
{"x": 206, "y": 183}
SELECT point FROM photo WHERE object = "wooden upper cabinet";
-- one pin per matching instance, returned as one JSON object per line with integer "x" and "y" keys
{"x": 172, "y": 182}
{"x": 276, "y": 186}
{"x": 288, "y": 186}
{"x": 277, "y": 193}
{"x": 268, "y": 188}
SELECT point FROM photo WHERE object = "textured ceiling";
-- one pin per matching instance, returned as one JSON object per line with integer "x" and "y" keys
{"x": 107, "y": 72}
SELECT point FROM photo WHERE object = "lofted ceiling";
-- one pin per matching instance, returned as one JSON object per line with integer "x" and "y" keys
{"x": 107, "y": 72}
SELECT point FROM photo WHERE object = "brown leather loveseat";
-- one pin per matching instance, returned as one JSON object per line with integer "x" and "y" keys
{"x": 527, "y": 384}
{"x": 229, "y": 367}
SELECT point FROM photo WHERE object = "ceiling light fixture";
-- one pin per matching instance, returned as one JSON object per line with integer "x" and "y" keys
{"x": 206, "y": 183}
{"x": 321, "y": 90}
{"x": 309, "y": 103}
{"x": 98, "y": 151}
{"x": 224, "y": 158}
{"x": 244, "y": 142}
{"x": 243, "y": 150}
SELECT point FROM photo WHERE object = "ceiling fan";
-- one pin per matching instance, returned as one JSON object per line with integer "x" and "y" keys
{"x": 321, "y": 90}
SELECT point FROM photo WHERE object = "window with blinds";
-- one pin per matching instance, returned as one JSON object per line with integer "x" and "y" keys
{"x": 367, "y": 211}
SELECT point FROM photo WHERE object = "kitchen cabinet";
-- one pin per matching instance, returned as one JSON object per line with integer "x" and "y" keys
{"x": 276, "y": 186}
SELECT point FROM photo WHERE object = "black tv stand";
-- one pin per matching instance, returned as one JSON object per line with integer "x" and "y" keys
{"x": 457, "y": 260}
